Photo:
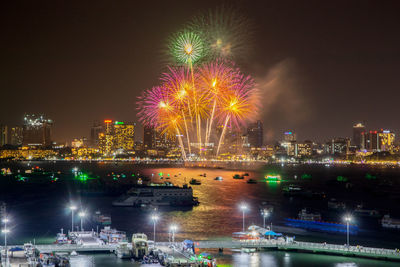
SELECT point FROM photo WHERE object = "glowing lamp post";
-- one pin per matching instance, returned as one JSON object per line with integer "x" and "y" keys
{"x": 154, "y": 218}
{"x": 82, "y": 214}
{"x": 173, "y": 229}
{"x": 72, "y": 208}
{"x": 348, "y": 219}
{"x": 243, "y": 207}
{"x": 5, "y": 231}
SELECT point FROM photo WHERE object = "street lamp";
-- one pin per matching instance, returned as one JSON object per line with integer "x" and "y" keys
{"x": 5, "y": 231}
{"x": 82, "y": 214}
{"x": 72, "y": 208}
{"x": 243, "y": 207}
{"x": 264, "y": 213}
{"x": 348, "y": 219}
{"x": 173, "y": 229}
{"x": 154, "y": 218}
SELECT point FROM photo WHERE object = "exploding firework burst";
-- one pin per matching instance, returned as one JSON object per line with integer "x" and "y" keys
{"x": 187, "y": 47}
{"x": 227, "y": 33}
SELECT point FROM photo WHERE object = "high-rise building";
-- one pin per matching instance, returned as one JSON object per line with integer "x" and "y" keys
{"x": 95, "y": 131}
{"x": 106, "y": 138}
{"x": 124, "y": 136}
{"x": 16, "y": 136}
{"x": 338, "y": 146}
{"x": 382, "y": 140}
{"x": 289, "y": 136}
{"x": 255, "y": 134}
{"x": 149, "y": 138}
{"x": 359, "y": 135}
{"x": 4, "y": 135}
{"x": 37, "y": 130}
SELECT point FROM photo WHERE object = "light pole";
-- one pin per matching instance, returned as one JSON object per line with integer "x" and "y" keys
{"x": 154, "y": 217}
{"x": 173, "y": 230}
{"x": 72, "y": 208}
{"x": 82, "y": 214}
{"x": 5, "y": 231}
{"x": 243, "y": 207}
{"x": 348, "y": 219}
{"x": 264, "y": 213}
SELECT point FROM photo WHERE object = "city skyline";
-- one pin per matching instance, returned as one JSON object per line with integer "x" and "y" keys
{"x": 60, "y": 52}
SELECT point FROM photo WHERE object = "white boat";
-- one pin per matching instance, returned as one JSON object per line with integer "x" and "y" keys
{"x": 390, "y": 223}
{"x": 158, "y": 195}
{"x": 112, "y": 236}
{"x": 306, "y": 216}
{"x": 361, "y": 211}
{"x": 218, "y": 178}
{"x": 140, "y": 245}
{"x": 123, "y": 250}
{"x": 74, "y": 253}
{"x": 62, "y": 238}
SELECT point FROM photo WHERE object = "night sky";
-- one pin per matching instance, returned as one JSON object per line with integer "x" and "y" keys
{"x": 321, "y": 65}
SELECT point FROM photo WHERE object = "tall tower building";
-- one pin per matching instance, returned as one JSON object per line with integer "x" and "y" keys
{"x": 37, "y": 130}
{"x": 289, "y": 136}
{"x": 16, "y": 136}
{"x": 359, "y": 135}
{"x": 124, "y": 135}
{"x": 255, "y": 134}
{"x": 4, "y": 135}
{"x": 95, "y": 131}
{"x": 149, "y": 137}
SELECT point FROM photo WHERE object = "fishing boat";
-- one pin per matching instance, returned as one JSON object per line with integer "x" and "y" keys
{"x": 101, "y": 218}
{"x": 272, "y": 178}
{"x": 218, "y": 178}
{"x": 391, "y": 223}
{"x": 251, "y": 181}
{"x": 238, "y": 176}
{"x": 124, "y": 250}
{"x": 140, "y": 246}
{"x": 62, "y": 238}
{"x": 112, "y": 236}
{"x": 194, "y": 182}
{"x": 363, "y": 212}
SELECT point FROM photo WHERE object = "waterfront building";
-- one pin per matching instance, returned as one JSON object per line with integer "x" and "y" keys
{"x": 255, "y": 134}
{"x": 338, "y": 146}
{"x": 359, "y": 136}
{"x": 16, "y": 136}
{"x": 95, "y": 131}
{"x": 289, "y": 136}
{"x": 79, "y": 142}
{"x": 382, "y": 140}
{"x": 149, "y": 136}
{"x": 304, "y": 149}
{"x": 37, "y": 130}
{"x": 4, "y": 139}
{"x": 124, "y": 136}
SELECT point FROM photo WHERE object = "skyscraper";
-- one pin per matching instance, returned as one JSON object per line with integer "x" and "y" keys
{"x": 37, "y": 130}
{"x": 124, "y": 136}
{"x": 289, "y": 136}
{"x": 255, "y": 134}
{"x": 4, "y": 135}
{"x": 359, "y": 135}
{"x": 16, "y": 136}
{"x": 149, "y": 137}
{"x": 95, "y": 131}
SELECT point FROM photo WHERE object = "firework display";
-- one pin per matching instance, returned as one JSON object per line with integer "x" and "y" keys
{"x": 199, "y": 97}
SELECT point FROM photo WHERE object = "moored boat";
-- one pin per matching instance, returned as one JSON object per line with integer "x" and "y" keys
{"x": 218, "y": 178}
{"x": 194, "y": 182}
{"x": 238, "y": 176}
{"x": 391, "y": 223}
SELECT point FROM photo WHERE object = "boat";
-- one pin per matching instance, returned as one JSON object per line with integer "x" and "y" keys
{"x": 313, "y": 222}
{"x": 272, "y": 178}
{"x": 101, "y": 218}
{"x": 112, "y": 236}
{"x": 140, "y": 246}
{"x": 246, "y": 174}
{"x": 158, "y": 195}
{"x": 74, "y": 253}
{"x": 391, "y": 223}
{"x": 361, "y": 211}
{"x": 292, "y": 190}
{"x": 307, "y": 216}
{"x": 336, "y": 205}
{"x": 238, "y": 176}
{"x": 251, "y": 181}
{"x": 62, "y": 238}
{"x": 194, "y": 182}
{"x": 218, "y": 178}
{"x": 123, "y": 250}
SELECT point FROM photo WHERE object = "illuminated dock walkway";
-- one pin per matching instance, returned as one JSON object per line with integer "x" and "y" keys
{"x": 308, "y": 247}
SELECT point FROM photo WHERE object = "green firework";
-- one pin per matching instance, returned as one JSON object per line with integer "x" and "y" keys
{"x": 187, "y": 47}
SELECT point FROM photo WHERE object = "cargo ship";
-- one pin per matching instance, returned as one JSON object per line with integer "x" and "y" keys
{"x": 313, "y": 222}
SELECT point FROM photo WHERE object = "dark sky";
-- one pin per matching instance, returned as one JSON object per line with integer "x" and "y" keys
{"x": 331, "y": 63}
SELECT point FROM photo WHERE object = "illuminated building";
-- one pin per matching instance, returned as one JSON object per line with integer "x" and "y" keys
{"x": 96, "y": 129}
{"x": 124, "y": 138}
{"x": 382, "y": 140}
{"x": 37, "y": 130}
{"x": 359, "y": 136}
{"x": 289, "y": 136}
{"x": 4, "y": 135}
{"x": 149, "y": 137}
{"x": 77, "y": 143}
{"x": 16, "y": 136}
{"x": 338, "y": 146}
{"x": 106, "y": 138}
{"x": 255, "y": 134}
{"x": 304, "y": 149}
